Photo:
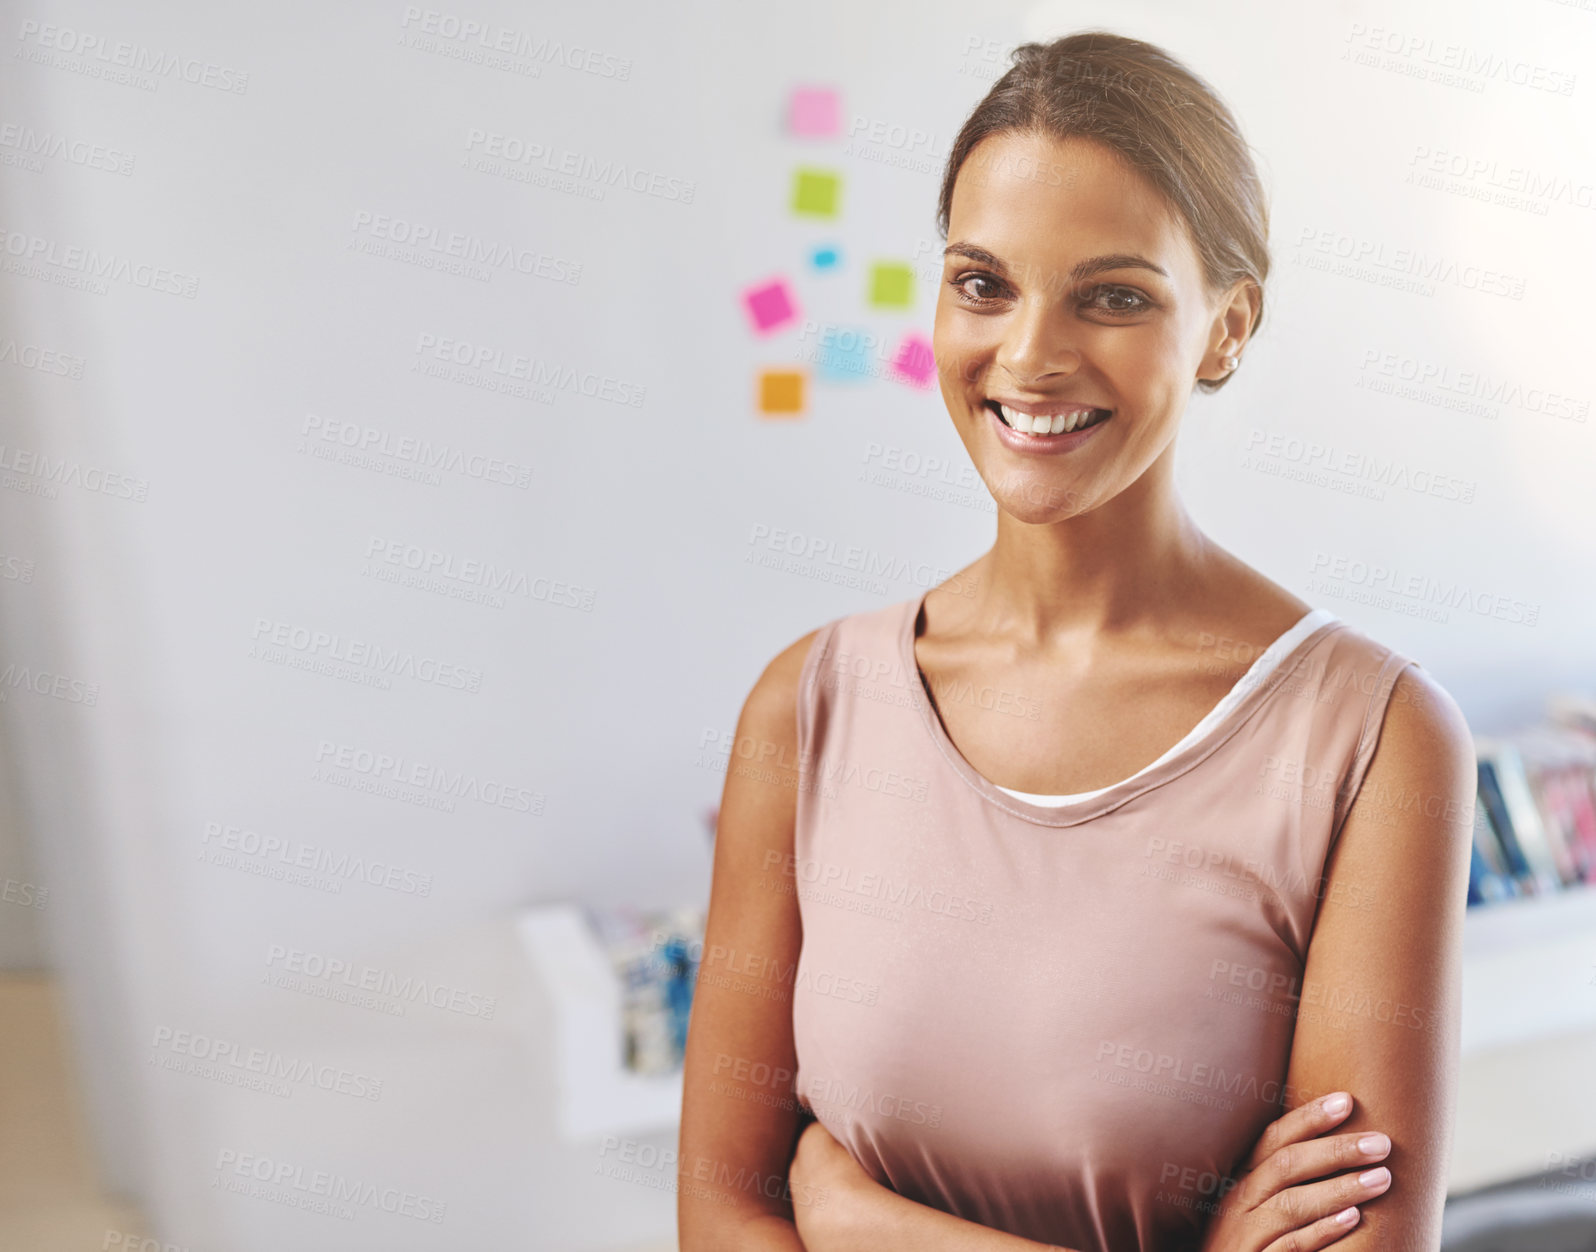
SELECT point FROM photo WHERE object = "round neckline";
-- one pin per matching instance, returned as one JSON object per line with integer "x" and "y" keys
{"x": 1182, "y": 757}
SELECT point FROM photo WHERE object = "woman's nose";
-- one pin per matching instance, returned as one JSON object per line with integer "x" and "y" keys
{"x": 1037, "y": 344}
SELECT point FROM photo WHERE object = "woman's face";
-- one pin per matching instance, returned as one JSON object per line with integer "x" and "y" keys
{"x": 1069, "y": 287}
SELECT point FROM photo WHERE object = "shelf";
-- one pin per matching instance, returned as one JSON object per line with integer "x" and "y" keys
{"x": 1527, "y": 980}
{"x": 1527, "y": 969}
{"x": 597, "y": 1095}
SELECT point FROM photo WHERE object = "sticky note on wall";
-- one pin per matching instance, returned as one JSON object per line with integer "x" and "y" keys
{"x": 814, "y": 112}
{"x": 781, "y": 393}
{"x": 843, "y": 354}
{"x": 770, "y": 305}
{"x": 816, "y": 193}
{"x": 914, "y": 363}
{"x": 891, "y": 285}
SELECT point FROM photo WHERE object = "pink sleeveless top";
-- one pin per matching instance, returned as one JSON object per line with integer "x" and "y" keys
{"x": 1067, "y": 1021}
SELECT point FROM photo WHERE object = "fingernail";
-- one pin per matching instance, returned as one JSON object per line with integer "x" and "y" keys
{"x": 1347, "y": 1216}
{"x": 1337, "y": 1104}
{"x": 1374, "y": 1177}
{"x": 1371, "y": 1145}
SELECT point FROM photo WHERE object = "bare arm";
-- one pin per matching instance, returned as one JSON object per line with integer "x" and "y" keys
{"x": 860, "y": 1215}
{"x": 1379, "y": 1011}
{"x": 737, "y": 1134}
{"x": 740, "y": 1186}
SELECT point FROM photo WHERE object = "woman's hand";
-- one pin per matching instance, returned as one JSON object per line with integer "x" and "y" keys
{"x": 1271, "y": 1208}
{"x": 826, "y": 1184}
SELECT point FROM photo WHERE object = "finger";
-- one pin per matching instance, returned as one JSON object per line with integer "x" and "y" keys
{"x": 1317, "y": 1158}
{"x": 1296, "y": 1208}
{"x": 1303, "y": 1122}
{"x": 1319, "y": 1234}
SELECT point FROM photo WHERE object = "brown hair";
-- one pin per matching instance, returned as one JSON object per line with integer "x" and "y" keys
{"x": 1162, "y": 119}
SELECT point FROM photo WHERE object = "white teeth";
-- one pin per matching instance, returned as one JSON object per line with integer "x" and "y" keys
{"x": 1057, "y": 423}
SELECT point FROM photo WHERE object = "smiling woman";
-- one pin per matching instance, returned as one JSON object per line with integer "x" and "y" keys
{"x": 1124, "y": 976}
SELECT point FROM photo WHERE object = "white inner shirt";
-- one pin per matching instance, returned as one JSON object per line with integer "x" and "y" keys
{"x": 1260, "y": 669}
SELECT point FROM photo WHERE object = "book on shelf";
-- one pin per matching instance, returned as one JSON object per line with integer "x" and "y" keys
{"x": 655, "y": 954}
{"x": 1535, "y": 819}
{"x": 1490, "y": 876}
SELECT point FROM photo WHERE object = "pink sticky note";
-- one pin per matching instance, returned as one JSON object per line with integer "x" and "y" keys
{"x": 814, "y": 111}
{"x": 770, "y": 305}
{"x": 914, "y": 363}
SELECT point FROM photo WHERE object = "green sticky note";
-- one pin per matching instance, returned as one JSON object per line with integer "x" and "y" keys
{"x": 815, "y": 192}
{"x": 891, "y": 285}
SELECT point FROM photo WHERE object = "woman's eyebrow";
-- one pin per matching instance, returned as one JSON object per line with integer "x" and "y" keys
{"x": 1082, "y": 269}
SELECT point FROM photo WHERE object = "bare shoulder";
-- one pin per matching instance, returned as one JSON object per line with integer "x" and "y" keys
{"x": 1422, "y": 720}
{"x": 1424, "y": 758}
{"x": 772, "y": 703}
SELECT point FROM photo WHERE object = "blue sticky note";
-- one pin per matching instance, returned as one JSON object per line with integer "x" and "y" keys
{"x": 843, "y": 356}
{"x": 825, "y": 258}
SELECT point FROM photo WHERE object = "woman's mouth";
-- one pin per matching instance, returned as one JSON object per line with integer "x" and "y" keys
{"x": 1064, "y": 421}
{"x": 1046, "y": 433}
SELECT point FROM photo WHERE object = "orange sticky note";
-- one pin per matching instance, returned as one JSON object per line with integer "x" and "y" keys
{"x": 781, "y": 392}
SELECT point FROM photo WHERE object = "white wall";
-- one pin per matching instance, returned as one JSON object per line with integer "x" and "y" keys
{"x": 205, "y": 400}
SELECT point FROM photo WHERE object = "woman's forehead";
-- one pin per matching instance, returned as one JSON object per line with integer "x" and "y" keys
{"x": 1034, "y": 199}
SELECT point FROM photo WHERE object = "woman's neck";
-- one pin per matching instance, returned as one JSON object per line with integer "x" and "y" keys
{"x": 1135, "y": 557}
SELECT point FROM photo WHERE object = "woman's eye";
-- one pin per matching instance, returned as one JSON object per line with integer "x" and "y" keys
{"x": 1119, "y": 300}
{"x": 978, "y": 288}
